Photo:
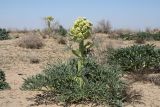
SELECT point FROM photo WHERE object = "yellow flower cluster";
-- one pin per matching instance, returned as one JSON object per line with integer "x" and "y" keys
{"x": 49, "y": 18}
{"x": 81, "y": 29}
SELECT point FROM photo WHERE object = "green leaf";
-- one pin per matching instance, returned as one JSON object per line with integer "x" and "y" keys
{"x": 88, "y": 45}
{"x": 76, "y": 52}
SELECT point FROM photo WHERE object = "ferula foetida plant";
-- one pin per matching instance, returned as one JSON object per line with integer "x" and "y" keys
{"x": 49, "y": 20}
{"x": 80, "y": 31}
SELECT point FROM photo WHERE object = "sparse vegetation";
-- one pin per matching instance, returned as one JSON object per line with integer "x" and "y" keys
{"x": 53, "y": 28}
{"x": 141, "y": 35}
{"x": 82, "y": 79}
{"x": 100, "y": 70}
{"x": 31, "y": 41}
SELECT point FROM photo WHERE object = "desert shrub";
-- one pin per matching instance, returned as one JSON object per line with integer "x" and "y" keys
{"x": 31, "y": 41}
{"x": 144, "y": 35}
{"x": 124, "y": 31}
{"x": 136, "y": 58}
{"x": 62, "y": 41}
{"x": 55, "y": 31}
{"x": 102, "y": 83}
{"x": 62, "y": 31}
{"x": 156, "y": 36}
{"x": 3, "y": 84}
{"x": 53, "y": 28}
{"x": 140, "y": 41}
{"x": 2, "y": 75}
{"x": 140, "y": 36}
{"x": 34, "y": 60}
{"x": 127, "y": 36}
{"x": 44, "y": 33}
{"x": 4, "y": 34}
{"x": 103, "y": 26}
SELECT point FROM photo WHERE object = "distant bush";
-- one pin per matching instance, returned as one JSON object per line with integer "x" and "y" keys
{"x": 62, "y": 31}
{"x": 136, "y": 58}
{"x": 31, "y": 41}
{"x": 140, "y": 41}
{"x": 2, "y": 76}
{"x": 102, "y": 83}
{"x": 156, "y": 36}
{"x": 4, "y": 34}
{"x": 127, "y": 36}
{"x": 124, "y": 31}
{"x": 34, "y": 60}
{"x": 144, "y": 36}
{"x": 141, "y": 35}
{"x": 55, "y": 31}
{"x": 103, "y": 26}
{"x": 3, "y": 84}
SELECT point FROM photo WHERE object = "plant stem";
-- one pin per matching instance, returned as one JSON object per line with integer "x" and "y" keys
{"x": 81, "y": 62}
{"x": 82, "y": 56}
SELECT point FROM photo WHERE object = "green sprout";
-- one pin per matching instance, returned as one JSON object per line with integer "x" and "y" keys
{"x": 79, "y": 33}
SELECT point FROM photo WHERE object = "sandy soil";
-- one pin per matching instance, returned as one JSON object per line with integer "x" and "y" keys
{"x": 15, "y": 61}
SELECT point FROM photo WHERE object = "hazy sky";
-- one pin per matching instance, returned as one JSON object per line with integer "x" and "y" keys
{"x": 134, "y": 14}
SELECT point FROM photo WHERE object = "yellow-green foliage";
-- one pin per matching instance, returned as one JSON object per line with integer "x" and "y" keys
{"x": 81, "y": 29}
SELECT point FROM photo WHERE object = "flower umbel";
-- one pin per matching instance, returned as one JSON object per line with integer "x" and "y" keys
{"x": 81, "y": 29}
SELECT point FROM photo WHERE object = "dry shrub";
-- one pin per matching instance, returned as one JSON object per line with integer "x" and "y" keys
{"x": 34, "y": 60}
{"x": 31, "y": 41}
{"x": 62, "y": 41}
{"x": 16, "y": 36}
{"x": 103, "y": 26}
{"x": 140, "y": 41}
{"x": 124, "y": 31}
{"x": 148, "y": 30}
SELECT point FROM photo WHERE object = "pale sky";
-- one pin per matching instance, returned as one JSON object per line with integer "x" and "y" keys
{"x": 132, "y": 14}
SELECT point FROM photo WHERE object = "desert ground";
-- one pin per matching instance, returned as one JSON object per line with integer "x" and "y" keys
{"x": 15, "y": 61}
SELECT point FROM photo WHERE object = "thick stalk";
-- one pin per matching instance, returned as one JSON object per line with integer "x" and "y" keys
{"x": 82, "y": 56}
{"x": 49, "y": 28}
{"x": 81, "y": 62}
